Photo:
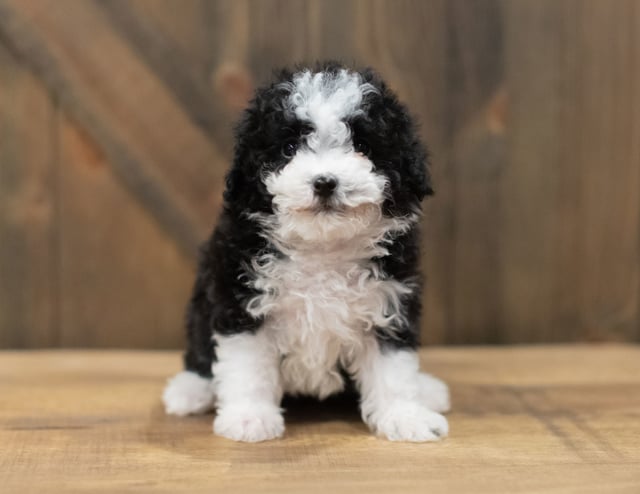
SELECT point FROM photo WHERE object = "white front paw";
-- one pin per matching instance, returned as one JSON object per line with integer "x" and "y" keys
{"x": 249, "y": 423}
{"x": 410, "y": 421}
{"x": 433, "y": 393}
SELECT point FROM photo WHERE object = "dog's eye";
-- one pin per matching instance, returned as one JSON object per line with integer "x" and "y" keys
{"x": 361, "y": 146}
{"x": 289, "y": 148}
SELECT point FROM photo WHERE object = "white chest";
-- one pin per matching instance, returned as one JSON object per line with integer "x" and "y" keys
{"x": 318, "y": 309}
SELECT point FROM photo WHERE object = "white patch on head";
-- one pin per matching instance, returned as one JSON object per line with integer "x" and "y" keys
{"x": 325, "y": 100}
{"x": 187, "y": 393}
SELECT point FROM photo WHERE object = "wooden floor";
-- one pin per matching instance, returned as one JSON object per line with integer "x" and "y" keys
{"x": 534, "y": 419}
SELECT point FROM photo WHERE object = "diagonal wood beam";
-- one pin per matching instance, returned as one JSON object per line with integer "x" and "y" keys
{"x": 166, "y": 209}
{"x": 191, "y": 88}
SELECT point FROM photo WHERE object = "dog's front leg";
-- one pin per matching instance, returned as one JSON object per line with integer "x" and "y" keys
{"x": 248, "y": 388}
{"x": 391, "y": 388}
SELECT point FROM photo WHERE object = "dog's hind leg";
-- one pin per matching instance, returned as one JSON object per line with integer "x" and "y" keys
{"x": 191, "y": 391}
{"x": 187, "y": 393}
{"x": 433, "y": 393}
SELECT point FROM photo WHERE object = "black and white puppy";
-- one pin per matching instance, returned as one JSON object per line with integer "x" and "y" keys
{"x": 311, "y": 277}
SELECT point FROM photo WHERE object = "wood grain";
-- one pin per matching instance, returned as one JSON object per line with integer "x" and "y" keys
{"x": 277, "y": 36}
{"x": 73, "y": 87}
{"x": 477, "y": 159}
{"x": 562, "y": 419}
{"x": 141, "y": 303}
{"x": 570, "y": 193}
{"x": 166, "y": 58}
{"x": 29, "y": 263}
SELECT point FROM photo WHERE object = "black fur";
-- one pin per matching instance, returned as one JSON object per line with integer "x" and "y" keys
{"x": 385, "y": 130}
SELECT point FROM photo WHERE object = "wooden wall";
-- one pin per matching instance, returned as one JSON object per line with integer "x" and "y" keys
{"x": 115, "y": 120}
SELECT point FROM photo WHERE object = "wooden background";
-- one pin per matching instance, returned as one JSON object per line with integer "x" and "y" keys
{"x": 115, "y": 121}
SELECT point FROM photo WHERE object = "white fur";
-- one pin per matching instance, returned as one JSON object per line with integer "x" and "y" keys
{"x": 324, "y": 100}
{"x": 320, "y": 300}
{"x": 433, "y": 393}
{"x": 355, "y": 202}
{"x": 397, "y": 401}
{"x": 187, "y": 393}
{"x": 393, "y": 396}
{"x": 249, "y": 423}
{"x": 248, "y": 386}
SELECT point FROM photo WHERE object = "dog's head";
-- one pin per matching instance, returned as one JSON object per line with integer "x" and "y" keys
{"x": 325, "y": 154}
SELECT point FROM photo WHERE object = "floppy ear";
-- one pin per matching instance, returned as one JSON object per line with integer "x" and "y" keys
{"x": 417, "y": 168}
{"x": 242, "y": 185}
{"x": 415, "y": 161}
{"x": 253, "y": 136}
{"x": 235, "y": 182}
{"x": 244, "y": 191}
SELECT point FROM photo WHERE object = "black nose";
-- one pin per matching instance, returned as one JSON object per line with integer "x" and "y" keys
{"x": 324, "y": 185}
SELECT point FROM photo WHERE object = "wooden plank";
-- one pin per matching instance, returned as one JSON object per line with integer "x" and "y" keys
{"x": 277, "y": 36}
{"x": 331, "y": 36}
{"x": 533, "y": 419}
{"x": 186, "y": 25}
{"x": 604, "y": 69}
{"x": 531, "y": 182}
{"x": 123, "y": 282}
{"x": 478, "y": 157}
{"x": 28, "y": 210}
{"x": 570, "y": 194}
{"x": 388, "y": 37}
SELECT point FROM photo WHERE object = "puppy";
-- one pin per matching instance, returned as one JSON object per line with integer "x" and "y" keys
{"x": 310, "y": 281}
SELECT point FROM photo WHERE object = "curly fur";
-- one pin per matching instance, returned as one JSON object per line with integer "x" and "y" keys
{"x": 296, "y": 291}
